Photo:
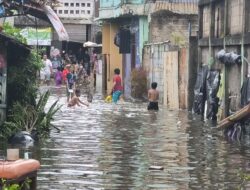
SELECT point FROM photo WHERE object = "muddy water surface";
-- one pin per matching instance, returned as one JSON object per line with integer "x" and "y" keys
{"x": 110, "y": 147}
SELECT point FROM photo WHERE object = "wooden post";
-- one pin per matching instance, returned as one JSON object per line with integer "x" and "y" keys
{"x": 243, "y": 68}
{"x": 225, "y": 71}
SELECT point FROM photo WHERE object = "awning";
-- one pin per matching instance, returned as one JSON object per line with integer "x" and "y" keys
{"x": 43, "y": 12}
{"x": 57, "y": 24}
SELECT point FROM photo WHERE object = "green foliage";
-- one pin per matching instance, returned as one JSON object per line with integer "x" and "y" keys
{"x": 138, "y": 82}
{"x": 22, "y": 71}
{"x": 14, "y": 32}
{"x": 22, "y": 78}
{"x": 5, "y": 186}
{"x": 32, "y": 118}
{"x": 178, "y": 39}
{"x": 244, "y": 178}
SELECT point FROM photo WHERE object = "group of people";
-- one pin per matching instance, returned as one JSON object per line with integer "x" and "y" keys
{"x": 66, "y": 68}
{"x": 153, "y": 93}
{"x": 56, "y": 66}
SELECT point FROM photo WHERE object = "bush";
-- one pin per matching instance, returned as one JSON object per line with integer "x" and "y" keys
{"x": 31, "y": 118}
{"x": 138, "y": 83}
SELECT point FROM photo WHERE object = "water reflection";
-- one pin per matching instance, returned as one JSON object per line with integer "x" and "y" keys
{"x": 110, "y": 146}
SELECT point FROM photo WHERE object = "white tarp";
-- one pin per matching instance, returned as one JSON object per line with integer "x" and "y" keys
{"x": 91, "y": 44}
{"x": 57, "y": 24}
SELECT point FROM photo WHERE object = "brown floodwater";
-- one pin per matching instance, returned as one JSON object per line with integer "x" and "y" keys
{"x": 107, "y": 146}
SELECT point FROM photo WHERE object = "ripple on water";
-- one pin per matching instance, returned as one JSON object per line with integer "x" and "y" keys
{"x": 107, "y": 146}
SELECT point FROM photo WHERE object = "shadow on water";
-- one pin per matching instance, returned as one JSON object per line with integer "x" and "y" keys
{"x": 110, "y": 146}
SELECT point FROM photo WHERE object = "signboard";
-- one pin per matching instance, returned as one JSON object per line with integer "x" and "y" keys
{"x": 40, "y": 36}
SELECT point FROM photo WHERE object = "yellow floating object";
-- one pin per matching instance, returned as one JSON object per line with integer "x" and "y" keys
{"x": 108, "y": 99}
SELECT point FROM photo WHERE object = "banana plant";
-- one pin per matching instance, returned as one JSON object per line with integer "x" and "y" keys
{"x": 32, "y": 118}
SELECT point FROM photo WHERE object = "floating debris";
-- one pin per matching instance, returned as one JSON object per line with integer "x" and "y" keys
{"x": 156, "y": 168}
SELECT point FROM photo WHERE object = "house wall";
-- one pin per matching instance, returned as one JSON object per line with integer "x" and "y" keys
{"x": 110, "y": 3}
{"x": 76, "y": 9}
{"x": 110, "y": 50}
{"x": 169, "y": 67}
{"x": 153, "y": 64}
{"x": 225, "y": 25}
{"x": 235, "y": 18}
{"x": 167, "y": 26}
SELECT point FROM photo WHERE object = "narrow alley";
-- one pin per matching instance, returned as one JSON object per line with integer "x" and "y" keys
{"x": 107, "y": 146}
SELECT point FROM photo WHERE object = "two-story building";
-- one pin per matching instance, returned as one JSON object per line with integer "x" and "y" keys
{"x": 77, "y": 17}
{"x": 134, "y": 29}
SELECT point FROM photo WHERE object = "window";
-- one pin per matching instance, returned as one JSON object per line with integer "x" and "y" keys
{"x": 88, "y": 12}
{"x": 60, "y": 12}
{"x": 77, "y": 4}
{"x": 88, "y": 4}
{"x": 66, "y": 12}
{"x": 71, "y": 12}
{"x": 72, "y": 4}
{"x": 55, "y": 11}
{"x": 82, "y": 11}
{"x": 77, "y": 11}
{"x": 83, "y": 4}
{"x": 66, "y": 4}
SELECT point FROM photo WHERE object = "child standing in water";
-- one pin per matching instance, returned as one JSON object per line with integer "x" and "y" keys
{"x": 117, "y": 86}
{"x": 75, "y": 100}
{"x": 153, "y": 97}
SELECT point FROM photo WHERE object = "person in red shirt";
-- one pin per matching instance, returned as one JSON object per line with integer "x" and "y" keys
{"x": 117, "y": 86}
{"x": 66, "y": 70}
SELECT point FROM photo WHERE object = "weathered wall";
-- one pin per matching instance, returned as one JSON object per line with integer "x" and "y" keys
{"x": 225, "y": 22}
{"x": 143, "y": 35}
{"x": 167, "y": 26}
{"x": 153, "y": 64}
{"x": 206, "y": 21}
{"x": 114, "y": 59}
{"x": 235, "y": 16}
{"x": 168, "y": 66}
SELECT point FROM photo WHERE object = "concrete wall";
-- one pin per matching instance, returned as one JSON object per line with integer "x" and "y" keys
{"x": 153, "y": 64}
{"x": 225, "y": 25}
{"x": 75, "y": 9}
{"x": 206, "y": 21}
{"x": 167, "y": 26}
{"x": 113, "y": 8}
{"x": 109, "y": 3}
{"x": 235, "y": 16}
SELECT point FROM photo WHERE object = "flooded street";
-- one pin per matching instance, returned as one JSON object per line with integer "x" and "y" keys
{"x": 110, "y": 146}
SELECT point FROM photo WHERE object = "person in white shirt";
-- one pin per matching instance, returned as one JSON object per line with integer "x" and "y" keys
{"x": 46, "y": 71}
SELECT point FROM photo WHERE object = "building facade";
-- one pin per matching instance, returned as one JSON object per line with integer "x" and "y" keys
{"x": 224, "y": 25}
{"x": 148, "y": 22}
{"x": 75, "y": 9}
{"x": 77, "y": 17}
